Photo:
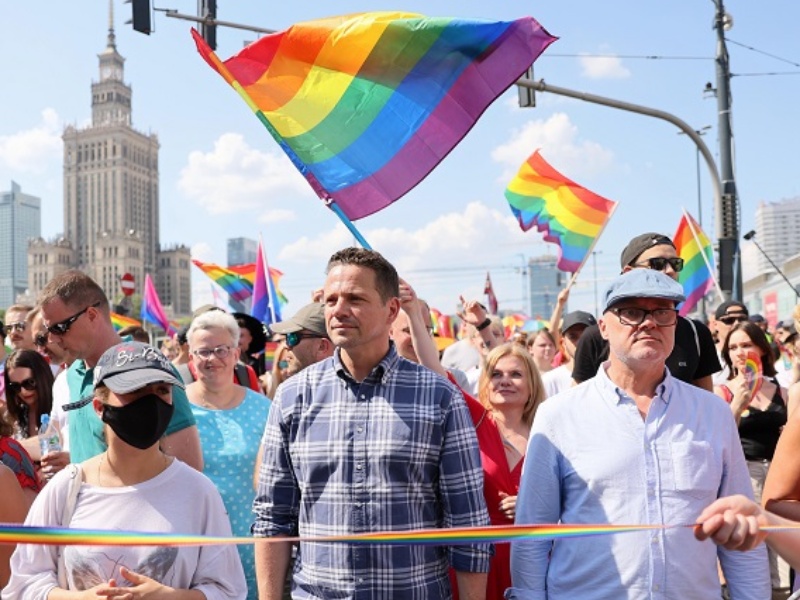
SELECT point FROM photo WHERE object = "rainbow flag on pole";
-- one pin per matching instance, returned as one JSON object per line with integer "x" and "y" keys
{"x": 366, "y": 105}
{"x": 569, "y": 215}
{"x": 121, "y": 322}
{"x": 152, "y": 309}
{"x": 235, "y": 285}
{"x": 697, "y": 276}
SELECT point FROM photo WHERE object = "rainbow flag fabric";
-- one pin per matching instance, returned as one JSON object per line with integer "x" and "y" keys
{"x": 236, "y": 286}
{"x": 366, "y": 105}
{"x": 569, "y": 215}
{"x": 694, "y": 247}
{"x": 152, "y": 309}
{"x": 121, "y": 321}
{"x": 248, "y": 271}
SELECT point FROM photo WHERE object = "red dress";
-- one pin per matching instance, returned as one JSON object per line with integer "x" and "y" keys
{"x": 497, "y": 479}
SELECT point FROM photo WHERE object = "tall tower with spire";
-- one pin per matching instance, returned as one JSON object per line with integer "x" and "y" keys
{"x": 111, "y": 191}
{"x": 111, "y": 200}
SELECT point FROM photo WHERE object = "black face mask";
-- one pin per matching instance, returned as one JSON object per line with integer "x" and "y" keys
{"x": 140, "y": 423}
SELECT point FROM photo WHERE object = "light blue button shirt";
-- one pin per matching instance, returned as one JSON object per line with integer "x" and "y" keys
{"x": 592, "y": 459}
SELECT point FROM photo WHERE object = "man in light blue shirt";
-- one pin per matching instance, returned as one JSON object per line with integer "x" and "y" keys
{"x": 633, "y": 445}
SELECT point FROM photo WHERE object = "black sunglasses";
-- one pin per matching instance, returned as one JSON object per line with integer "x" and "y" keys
{"x": 29, "y": 384}
{"x": 294, "y": 338}
{"x": 659, "y": 263}
{"x": 40, "y": 341}
{"x": 732, "y": 320}
{"x": 62, "y": 327}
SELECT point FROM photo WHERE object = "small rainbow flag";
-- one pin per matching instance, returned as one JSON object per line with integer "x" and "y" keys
{"x": 697, "y": 276}
{"x": 366, "y": 105}
{"x": 569, "y": 215}
{"x": 236, "y": 286}
{"x": 120, "y": 321}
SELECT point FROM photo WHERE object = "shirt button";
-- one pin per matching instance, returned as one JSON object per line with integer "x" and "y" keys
{"x": 655, "y": 538}
{"x": 360, "y": 429}
{"x": 360, "y": 580}
{"x": 363, "y": 397}
{"x": 358, "y": 466}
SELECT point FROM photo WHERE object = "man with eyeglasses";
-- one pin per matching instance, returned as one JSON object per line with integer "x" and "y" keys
{"x": 727, "y": 315}
{"x": 77, "y": 315}
{"x": 694, "y": 358}
{"x": 306, "y": 338}
{"x": 17, "y": 327}
{"x": 633, "y": 445}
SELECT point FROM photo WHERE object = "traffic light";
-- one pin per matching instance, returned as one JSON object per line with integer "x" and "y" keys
{"x": 207, "y": 9}
{"x": 140, "y": 16}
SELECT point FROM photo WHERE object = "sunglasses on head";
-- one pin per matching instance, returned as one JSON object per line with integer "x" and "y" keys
{"x": 294, "y": 338}
{"x": 659, "y": 263}
{"x": 29, "y": 384}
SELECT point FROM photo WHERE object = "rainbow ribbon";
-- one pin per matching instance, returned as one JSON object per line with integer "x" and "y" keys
{"x": 60, "y": 536}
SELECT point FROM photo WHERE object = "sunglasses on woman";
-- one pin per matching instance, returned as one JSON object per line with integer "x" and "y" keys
{"x": 29, "y": 384}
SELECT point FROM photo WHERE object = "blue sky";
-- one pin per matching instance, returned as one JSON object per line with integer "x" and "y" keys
{"x": 222, "y": 175}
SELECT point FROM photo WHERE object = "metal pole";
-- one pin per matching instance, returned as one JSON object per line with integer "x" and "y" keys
{"x": 730, "y": 266}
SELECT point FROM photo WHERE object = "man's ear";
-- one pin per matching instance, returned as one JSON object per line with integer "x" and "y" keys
{"x": 601, "y": 324}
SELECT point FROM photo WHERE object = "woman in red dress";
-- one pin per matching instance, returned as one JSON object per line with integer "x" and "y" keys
{"x": 510, "y": 390}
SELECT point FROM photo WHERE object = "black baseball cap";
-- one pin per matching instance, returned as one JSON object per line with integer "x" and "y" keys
{"x": 722, "y": 309}
{"x": 639, "y": 244}
{"x": 577, "y": 317}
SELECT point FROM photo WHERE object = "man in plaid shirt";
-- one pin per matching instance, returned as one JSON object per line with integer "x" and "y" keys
{"x": 366, "y": 441}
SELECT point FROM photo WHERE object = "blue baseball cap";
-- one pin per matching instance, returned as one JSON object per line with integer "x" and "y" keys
{"x": 642, "y": 283}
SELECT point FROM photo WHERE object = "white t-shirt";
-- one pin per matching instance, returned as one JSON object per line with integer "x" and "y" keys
{"x": 556, "y": 380}
{"x": 179, "y": 500}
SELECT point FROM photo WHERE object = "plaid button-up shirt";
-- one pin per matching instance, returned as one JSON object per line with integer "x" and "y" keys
{"x": 394, "y": 452}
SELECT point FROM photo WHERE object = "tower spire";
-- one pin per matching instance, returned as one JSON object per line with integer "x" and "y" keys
{"x": 111, "y": 36}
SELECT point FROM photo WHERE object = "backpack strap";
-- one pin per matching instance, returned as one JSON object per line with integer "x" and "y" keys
{"x": 75, "y": 480}
{"x": 696, "y": 337}
{"x": 242, "y": 375}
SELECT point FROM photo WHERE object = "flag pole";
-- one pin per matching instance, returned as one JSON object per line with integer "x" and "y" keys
{"x": 591, "y": 247}
{"x": 331, "y": 203}
{"x": 267, "y": 278}
{"x": 690, "y": 223}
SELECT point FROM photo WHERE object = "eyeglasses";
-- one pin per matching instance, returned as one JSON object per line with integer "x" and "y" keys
{"x": 659, "y": 263}
{"x": 633, "y": 317}
{"x": 63, "y": 327}
{"x": 294, "y": 338}
{"x": 29, "y": 384}
{"x": 732, "y": 319}
{"x": 40, "y": 341}
{"x": 18, "y": 326}
{"x": 221, "y": 352}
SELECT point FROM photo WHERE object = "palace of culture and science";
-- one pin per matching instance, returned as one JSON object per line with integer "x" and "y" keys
{"x": 111, "y": 201}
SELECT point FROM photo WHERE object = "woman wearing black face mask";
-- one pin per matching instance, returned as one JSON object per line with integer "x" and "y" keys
{"x": 131, "y": 486}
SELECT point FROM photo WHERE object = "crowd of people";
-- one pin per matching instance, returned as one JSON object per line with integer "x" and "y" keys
{"x": 366, "y": 423}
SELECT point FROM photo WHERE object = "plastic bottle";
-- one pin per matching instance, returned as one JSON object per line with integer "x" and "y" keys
{"x": 49, "y": 436}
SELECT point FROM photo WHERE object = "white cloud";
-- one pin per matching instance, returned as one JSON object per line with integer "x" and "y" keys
{"x": 33, "y": 149}
{"x": 234, "y": 177}
{"x": 603, "y": 67}
{"x": 203, "y": 252}
{"x": 317, "y": 251}
{"x": 558, "y": 139}
{"x": 277, "y": 215}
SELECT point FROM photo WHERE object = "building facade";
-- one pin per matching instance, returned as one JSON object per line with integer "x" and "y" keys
{"x": 545, "y": 281}
{"x": 111, "y": 199}
{"x": 20, "y": 221}
{"x": 241, "y": 251}
{"x": 777, "y": 231}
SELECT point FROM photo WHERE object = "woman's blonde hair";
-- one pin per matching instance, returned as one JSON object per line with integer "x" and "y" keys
{"x": 535, "y": 385}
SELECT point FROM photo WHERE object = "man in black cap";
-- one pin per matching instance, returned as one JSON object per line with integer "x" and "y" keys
{"x": 572, "y": 327}
{"x": 694, "y": 358}
{"x": 728, "y": 314}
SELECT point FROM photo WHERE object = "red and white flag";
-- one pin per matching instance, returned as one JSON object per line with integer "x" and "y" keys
{"x": 489, "y": 291}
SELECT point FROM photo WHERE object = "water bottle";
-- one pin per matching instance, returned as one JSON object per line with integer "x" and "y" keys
{"x": 49, "y": 436}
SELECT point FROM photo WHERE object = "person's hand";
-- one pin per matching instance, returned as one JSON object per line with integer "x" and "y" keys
{"x": 741, "y": 394}
{"x": 52, "y": 463}
{"x": 563, "y": 296}
{"x": 508, "y": 505}
{"x": 318, "y": 295}
{"x": 143, "y": 588}
{"x": 732, "y": 522}
{"x": 408, "y": 297}
{"x": 472, "y": 313}
{"x": 99, "y": 591}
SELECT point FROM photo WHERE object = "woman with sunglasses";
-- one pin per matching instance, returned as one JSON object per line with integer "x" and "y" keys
{"x": 759, "y": 410}
{"x": 29, "y": 395}
{"x": 133, "y": 485}
{"x": 230, "y": 419}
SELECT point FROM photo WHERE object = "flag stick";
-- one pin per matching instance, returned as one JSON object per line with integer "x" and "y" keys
{"x": 591, "y": 247}
{"x": 347, "y": 223}
{"x": 689, "y": 222}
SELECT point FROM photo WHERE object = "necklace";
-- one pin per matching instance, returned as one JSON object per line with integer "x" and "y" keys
{"x": 104, "y": 459}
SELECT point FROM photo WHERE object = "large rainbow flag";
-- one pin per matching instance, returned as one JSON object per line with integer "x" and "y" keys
{"x": 366, "y": 105}
{"x": 697, "y": 276}
{"x": 235, "y": 285}
{"x": 569, "y": 215}
{"x": 248, "y": 271}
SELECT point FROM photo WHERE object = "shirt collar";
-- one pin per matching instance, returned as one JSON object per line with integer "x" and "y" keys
{"x": 610, "y": 390}
{"x": 381, "y": 371}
